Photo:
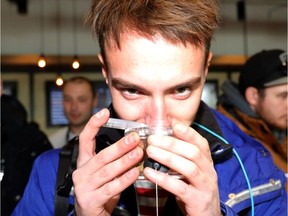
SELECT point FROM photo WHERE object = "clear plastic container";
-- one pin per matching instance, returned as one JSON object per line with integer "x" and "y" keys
{"x": 144, "y": 133}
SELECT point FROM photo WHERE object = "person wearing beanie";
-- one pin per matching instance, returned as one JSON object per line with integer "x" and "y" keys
{"x": 258, "y": 103}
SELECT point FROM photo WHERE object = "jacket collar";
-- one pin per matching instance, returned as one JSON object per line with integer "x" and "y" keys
{"x": 206, "y": 118}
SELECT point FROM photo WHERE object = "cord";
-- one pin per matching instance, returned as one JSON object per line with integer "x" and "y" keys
{"x": 157, "y": 201}
{"x": 239, "y": 160}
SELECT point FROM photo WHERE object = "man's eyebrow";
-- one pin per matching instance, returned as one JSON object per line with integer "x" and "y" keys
{"x": 195, "y": 81}
{"x": 120, "y": 83}
{"x": 282, "y": 93}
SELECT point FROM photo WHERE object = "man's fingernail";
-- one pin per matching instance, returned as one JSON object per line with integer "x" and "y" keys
{"x": 101, "y": 113}
{"x": 134, "y": 153}
{"x": 181, "y": 128}
{"x": 130, "y": 138}
{"x": 130, "y": 173}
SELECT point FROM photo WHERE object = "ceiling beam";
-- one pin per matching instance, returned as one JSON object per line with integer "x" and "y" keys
{"x": 63, "y": 64}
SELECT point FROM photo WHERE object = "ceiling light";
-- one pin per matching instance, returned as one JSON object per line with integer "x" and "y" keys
{"x": 42, "y": 61}
{"x": 75, "y": 63}
{"x": 59, "y": 80}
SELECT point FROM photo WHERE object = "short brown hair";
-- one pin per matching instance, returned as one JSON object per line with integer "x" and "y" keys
{"x": 81, "y": 79}
{"x": 178, "y": 21}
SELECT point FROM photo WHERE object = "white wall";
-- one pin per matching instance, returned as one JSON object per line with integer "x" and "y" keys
{"x": 266, "y": 28}
{"x": 21, "y": 34}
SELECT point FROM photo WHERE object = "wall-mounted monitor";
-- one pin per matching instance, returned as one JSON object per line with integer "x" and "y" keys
{"x": 55, "y": 114}
{"x": 210, "y": 93}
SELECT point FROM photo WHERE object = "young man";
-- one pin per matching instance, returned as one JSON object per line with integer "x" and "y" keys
{"x": 258, "y": 105}
{"x": 79, "y": 100}
{"x": 155, "y": 57}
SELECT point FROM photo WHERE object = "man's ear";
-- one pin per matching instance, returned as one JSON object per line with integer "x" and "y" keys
{"x": 252, "y": 96}
{"x": 210, "y": 55}
{"x": 104, "y": 67}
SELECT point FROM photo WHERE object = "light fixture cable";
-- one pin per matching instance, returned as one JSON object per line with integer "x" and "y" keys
{"x": 42, "y": 60}
{"x": 59, "y": 80}
{"x": 75, "y": 63}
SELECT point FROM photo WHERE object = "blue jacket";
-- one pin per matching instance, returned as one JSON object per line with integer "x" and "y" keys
{"x": 267, "y": 181}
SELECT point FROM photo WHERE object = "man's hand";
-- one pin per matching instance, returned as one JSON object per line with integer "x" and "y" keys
{"x": 188, "y": 154}
{"x": 100, "y": 178}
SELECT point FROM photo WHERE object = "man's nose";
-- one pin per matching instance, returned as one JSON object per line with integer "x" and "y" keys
{"x": 157, "y": 113}
{"x": 73, "y": 105}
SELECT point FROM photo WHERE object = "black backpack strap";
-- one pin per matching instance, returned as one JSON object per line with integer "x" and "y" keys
{"x": 66, "y": 166}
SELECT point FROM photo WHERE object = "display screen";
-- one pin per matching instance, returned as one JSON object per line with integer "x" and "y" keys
{"x": 210, "y": 93}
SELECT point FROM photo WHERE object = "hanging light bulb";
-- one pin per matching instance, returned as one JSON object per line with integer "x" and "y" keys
{"x": 59, "y": 80}
{"x": 42, "y": 61}
{"x": 75, "y": 63}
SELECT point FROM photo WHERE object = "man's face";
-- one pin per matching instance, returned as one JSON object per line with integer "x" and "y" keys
{"x": 273, "y": 106}
{"x": 78, "y": 103}
{"x": 152, "y": 81}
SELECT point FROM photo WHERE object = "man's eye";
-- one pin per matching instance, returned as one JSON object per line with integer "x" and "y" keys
{"x": 65, "y": 99}
{"x": 130, "y": 91}
{"x": 182, "y": 91}
{"x": 82, "y": 100}
{"x": 284, "y": 95}
{"x": 131, "y": 94}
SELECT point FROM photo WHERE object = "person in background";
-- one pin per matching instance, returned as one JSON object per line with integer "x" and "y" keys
{"x": 258, "y": 104}
{"x": 79, "y": 100}
{"x": 21, "y": 143}
{"x": 155, "y": 56}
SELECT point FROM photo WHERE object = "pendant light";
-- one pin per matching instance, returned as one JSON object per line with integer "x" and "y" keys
{"x": 41, "y": 60}
{"x": 59, "y": 80}
{"x": 75, "y": 64}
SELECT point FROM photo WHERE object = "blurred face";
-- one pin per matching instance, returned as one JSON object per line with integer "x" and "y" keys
{"x": 155, "y": 81}
{"x": 272, "y": 107}
{"x": 78, "y": 103}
